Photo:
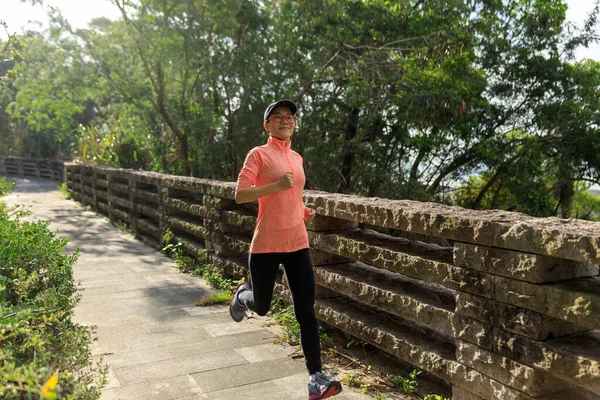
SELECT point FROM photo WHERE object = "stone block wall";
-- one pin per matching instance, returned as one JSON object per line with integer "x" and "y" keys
{"x": 32, "y": 168}
{"x": 499, "y": 305}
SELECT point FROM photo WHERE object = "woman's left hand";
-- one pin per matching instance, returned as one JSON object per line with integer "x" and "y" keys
{"x": 309, "y": 214}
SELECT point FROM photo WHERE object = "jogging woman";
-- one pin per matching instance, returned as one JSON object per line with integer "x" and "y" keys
{"x": 273, "y": 174}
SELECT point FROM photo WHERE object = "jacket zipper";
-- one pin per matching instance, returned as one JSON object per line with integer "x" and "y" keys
{"x": 292, "y": 171}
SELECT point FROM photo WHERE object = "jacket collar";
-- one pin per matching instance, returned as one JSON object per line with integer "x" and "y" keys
{"x": 277, "y": 144}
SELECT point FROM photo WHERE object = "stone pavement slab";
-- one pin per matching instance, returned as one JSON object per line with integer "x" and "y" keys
{"x": 156, "y": 344}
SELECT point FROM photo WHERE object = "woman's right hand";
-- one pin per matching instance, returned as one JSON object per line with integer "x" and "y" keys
{"x": 286, "y": 181}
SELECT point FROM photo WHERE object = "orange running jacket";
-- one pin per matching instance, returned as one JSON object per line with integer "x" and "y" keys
{"x": 280, "y": 226}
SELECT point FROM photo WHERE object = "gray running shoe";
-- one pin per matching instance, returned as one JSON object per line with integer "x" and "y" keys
{"x": 236, "y": 309}
{"x": 320, "y": 387}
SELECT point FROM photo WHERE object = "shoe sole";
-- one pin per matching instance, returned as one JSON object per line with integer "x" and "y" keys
{"x": 235, "y": 292}
{"x": 331, "y": 391}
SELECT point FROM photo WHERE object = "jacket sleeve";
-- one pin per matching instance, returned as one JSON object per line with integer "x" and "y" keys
{"x": 249, "y": 172}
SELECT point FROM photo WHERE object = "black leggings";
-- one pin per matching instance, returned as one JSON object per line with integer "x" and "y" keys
{"x": 301, "y": 280}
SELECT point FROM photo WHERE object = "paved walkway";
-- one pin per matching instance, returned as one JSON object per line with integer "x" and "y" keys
{"x": 156, "y": 343}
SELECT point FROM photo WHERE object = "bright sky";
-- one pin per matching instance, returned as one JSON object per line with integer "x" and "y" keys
{"x": 19, "y": 15}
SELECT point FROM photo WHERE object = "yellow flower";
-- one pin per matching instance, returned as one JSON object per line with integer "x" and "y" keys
{"x": 48, "y": 389}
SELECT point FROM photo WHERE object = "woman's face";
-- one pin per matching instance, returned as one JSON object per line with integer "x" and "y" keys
{"x": 281, "y": 123}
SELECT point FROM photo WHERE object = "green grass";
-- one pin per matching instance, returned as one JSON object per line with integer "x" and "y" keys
{"x": 63, "y": 189}
{"x": 220, "y": 297}
{"x": 6, "y": 185}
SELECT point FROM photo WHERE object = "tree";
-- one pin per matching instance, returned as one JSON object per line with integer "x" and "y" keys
{"x": 476, "y": 102}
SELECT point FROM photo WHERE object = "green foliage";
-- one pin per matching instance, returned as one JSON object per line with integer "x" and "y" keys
{"x": 398, "y": 100}
{"x": 504, "y": 190}
{"x": 285, "y": 316}
{"x": 350, "y": 380}
{"x": 37, "y": 298}
{"x": 6, "y": 186}
{"x": 63, "y": 190}
{"x": 435, "y": 397}
{"x": 409, "y": 384}
{"x": 354, "y": 343}
{"x": 586, "y": 205}
{"x": 9, "y": 53}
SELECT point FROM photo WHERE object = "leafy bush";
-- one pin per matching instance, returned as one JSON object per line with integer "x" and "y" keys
{"x": 42, "y": 352}
{"x": 410, "y": 384}
{"x": 6, "y": 185}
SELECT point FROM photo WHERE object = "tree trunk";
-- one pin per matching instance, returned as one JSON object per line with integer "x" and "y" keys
{"x": 477, "y": 202}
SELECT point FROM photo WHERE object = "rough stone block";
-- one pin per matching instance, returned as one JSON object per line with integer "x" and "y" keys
{"x": 149, "y": 240}
{"x": 219, "y": 203}
{"x": 149, "y": 211}
{"x": 101, "y": 206}
{"x": 87, "y": 200}
{"x": 577, "y": 300}
{"x": 242, "y": 221}
{"x": 193, "y": 247}
{"x": 473, "y": 331}
{"x": 187, "y": 226}
{"x": 235, "y": 267}
{"x": 403, "y": 341}
{"x": 513, "y": 319}
{"x": 575, "y": 359}
{"x": 147, "y": 177}
{"x": 148, "y": 226}
{"x": 119, "y": 187}
{"x": 219, "y": 249}
{"x": 192, "y": 207}
{"x": 498, "y": 391}
{"x": 121, "y": 215}
{"x": 237, "y": 245}
{"x": 425, "y": 218}
{"x": 120, "y": 201}
{"x": 203, "y": 186}
{"x": 319, "y": 257}
{"x": 511, "y": 373}
{"x": 402, "y": 257}
{"x": 522, "y": 266}
{"x": 459, "y": 393}
{"x": 324, "y": 223}
{"x": 427, "y": 306}
{"x": 102, "y": 194}
{"x": 573, "y": 239}
{"x": 145, "y": 195}
{"x": 325, "y": 293}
